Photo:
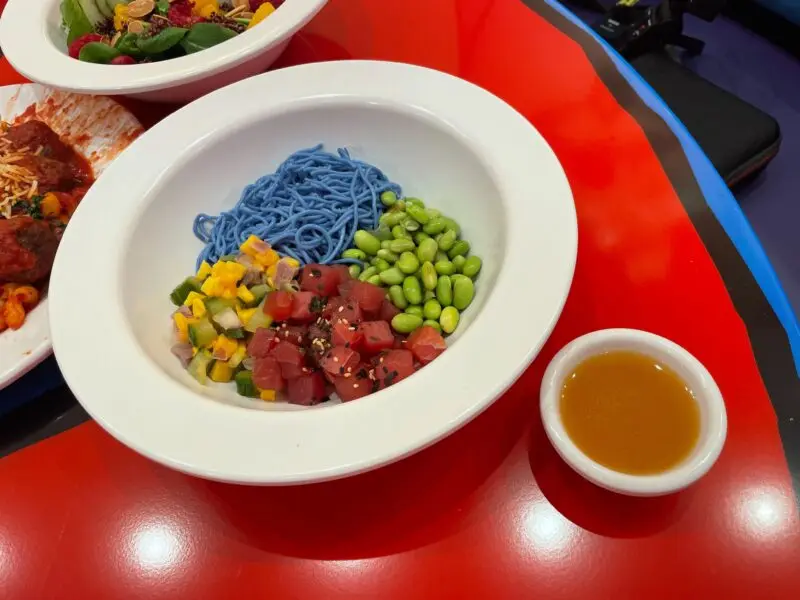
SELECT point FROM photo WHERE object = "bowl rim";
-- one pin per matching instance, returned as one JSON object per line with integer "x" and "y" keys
{"x": 702, "y": 384}
{"x": 312, "y": 445}
{"x": 23, "y": 25}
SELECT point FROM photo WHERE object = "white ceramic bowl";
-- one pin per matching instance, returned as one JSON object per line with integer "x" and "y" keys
{"x": 35, "y": 45}
{"x": 476, "y": 159}
{"x": 98, "y": 129}
{"x": 714, "y": 422}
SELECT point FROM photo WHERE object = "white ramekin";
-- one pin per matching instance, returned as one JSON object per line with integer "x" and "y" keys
{"x": 714, "y": 422}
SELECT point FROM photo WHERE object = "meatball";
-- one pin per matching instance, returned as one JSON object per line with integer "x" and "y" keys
{"x": 27, "y": 250}
{"x": 33, "y": 134}
{"x": 52, "y": 175}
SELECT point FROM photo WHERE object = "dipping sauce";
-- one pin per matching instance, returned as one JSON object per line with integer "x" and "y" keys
{"x": 630, "y": 413}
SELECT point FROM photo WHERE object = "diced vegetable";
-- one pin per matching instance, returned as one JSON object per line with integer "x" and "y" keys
{"x": 75, "y": 20}
{"x": 216, "y": 305}
{"x": 221, "y": 372}
{"x": 244, "y": 384}
{"x": 198, "y": 368}
{"x": 259, "y": 292}
{"x": 202, "y": 333}
{"x": 180, "y": 293}
{"x": 227, "y": 319}
{"x": 258, "y": 320}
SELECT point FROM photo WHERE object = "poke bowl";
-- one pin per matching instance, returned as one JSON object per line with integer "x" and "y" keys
{"x": 156, "y": 50}
{"x": 207, "y": 199}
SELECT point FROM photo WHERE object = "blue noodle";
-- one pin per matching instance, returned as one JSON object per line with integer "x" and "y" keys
{"x": 310, "y": 208}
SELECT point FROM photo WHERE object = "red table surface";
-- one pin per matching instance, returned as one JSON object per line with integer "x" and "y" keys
{"x": 490, "y": 512}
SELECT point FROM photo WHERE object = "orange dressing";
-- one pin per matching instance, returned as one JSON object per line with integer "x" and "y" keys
{"x": 630, "y": 413}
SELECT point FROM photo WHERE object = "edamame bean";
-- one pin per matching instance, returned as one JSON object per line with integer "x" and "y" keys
{"x": 374, "y": 280}
{"x": 444, "y": 291}
{"x": 401, "y": 245}
{"x": 427, "y": 249}
{"x": 418, "y": 213}
{"x": 433, "y": 213}
{"x": 392, "y": 276}
{"x": 401, "y": 205}
{"x": 432, "y": 310}
{"x": 355, "y": 254}
{"x": 412, "y": 290}
{"x": 406, "y": 323}
{"x": 449, "y": 319}
{"x": 408, "y": 263}
{"x": 414, "y": 202}
{"x": 392, "y": 218}
{"x": 458, "y": 262}
{"x": 414, "y": 309}
{"x": 420, "y": 237}
{"x": 446, "y": 242}
{"x": 434, "y": 226}
{"x": 367, "y": 242}
{"x": 456, "y": 276}
{"x": 387, "y": 255}
{"x": 460, "y": 248}
{"x": 472, "y": 266}
{"x": 440, "y": 256}
{"x": 388, "y": 198}
{"x": 411, "y": 225}
{"x": 463, "y": 292}
{"x": 355, "y": 271}
{"x": 399, "y": 233}
{"x": 434, "y": 324}
{"x": 445, "y": 267}
{"x": 367, "y": 273}
{"x": 451, "y": 224}
{"x": 428, "y": 276}
{"x": 385, "y": 245}
{"x": 380, "y": 264}
{"x": 397, "y": 297}
{"x": 429, "y": 295}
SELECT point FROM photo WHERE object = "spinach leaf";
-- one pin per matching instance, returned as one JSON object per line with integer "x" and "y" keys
{"x": 75, "y": 20}
{"x": 126, "y": 44}
{"x": 205, "y": 35}
{"x": 162, "y": 41}
{"x": 162, "y": 7}
{"x": 98, "y": 52}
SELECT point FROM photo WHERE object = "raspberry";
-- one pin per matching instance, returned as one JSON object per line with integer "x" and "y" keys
{"x": 76, "y": 46}
{"x": 180, "y": 13}
{"x": 123, "y": 59}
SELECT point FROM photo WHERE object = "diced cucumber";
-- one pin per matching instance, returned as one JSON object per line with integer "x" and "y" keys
{"x": 198, "y": 367}
{"x": 202, "y": 333}
{"x": 217, "y": 305}
{"x": 258, "y": 320}
{"x": 244, "y": 384}
{"x": 235, "y": 334}
{"x": 260, "y": 292}
{"x": 180, "y": 293}
{"x": 228, "y": 258}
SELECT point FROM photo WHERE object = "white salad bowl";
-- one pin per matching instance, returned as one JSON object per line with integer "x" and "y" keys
{"x": 35, "y": 44}
{"x": 476, "y": 159}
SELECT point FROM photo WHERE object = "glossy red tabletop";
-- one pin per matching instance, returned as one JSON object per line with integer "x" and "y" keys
{"x": 490, "y": 512}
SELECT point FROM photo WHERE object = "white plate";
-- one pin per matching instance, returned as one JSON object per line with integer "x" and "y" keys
{"x": 461, "y": 149}
{"x": 99, "y": 129}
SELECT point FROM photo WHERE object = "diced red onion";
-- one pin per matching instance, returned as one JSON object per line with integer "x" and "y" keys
{"x": 185, "y": 311}
{"x": 245, "y": 260}
{"x": 252, "y": 277}
{"x": 248, "y": 363}
{"x": 284, "y": 273}
{"x": 260, "y": 246}
{"x": 184, "y": 352}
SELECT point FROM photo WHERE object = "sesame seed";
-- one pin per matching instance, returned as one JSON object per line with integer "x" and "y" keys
{"x": 346, "y": 375}
{"x": 335, "y": 359}
{"x": 355, "y": 385}
{"x": 341, "y": 309}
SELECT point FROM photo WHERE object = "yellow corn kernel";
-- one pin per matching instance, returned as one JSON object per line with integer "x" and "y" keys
{"x": 262, "y": 12}
{"x": 247, "y": 246}
{"x": 238, "y": 356}
{"x": 182, "y": 325}
{"x": 221, "y": 372}
{"x": 212, "y": 286}
{"x": 267, "y": 259}
{"x": 245, "y": 314}
{"x": 244, "y": 294}
{"x": 198, "y": 308}
{"x": 268, "y": 395}
{"x": 292, "y": 262}
{"x": 204, "y": 270}
{"x": 50, "y": 206}
{"x": 192, "y": 297}
{"x": 121, "y": 17}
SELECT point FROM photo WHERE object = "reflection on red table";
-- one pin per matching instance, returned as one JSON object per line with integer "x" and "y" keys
{"x": 490, "y": 512}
